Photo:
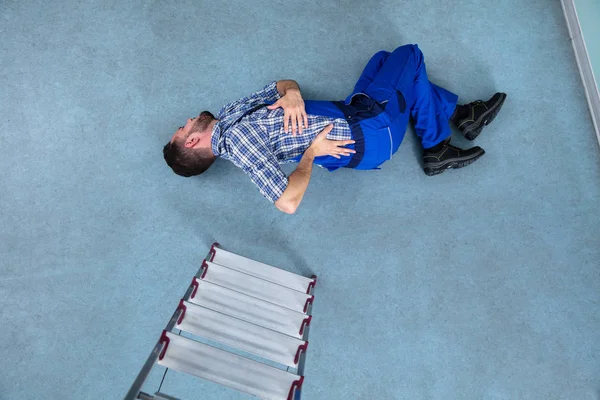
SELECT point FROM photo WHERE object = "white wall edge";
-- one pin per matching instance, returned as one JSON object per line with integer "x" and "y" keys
{"x": 583, "y": 63}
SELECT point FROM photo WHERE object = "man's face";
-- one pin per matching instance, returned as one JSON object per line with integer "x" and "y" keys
{"x": 184, "y": 131}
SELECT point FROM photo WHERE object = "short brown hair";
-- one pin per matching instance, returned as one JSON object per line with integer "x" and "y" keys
{"x": 186, "y": 161}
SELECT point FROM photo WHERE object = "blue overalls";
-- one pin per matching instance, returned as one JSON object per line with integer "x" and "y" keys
{"x": 392, "y": 88}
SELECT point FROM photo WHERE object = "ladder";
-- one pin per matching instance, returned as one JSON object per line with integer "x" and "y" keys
{"x": 259, "y": 314}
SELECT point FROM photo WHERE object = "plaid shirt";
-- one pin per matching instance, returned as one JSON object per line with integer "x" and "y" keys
{"x": 255, "y": 141}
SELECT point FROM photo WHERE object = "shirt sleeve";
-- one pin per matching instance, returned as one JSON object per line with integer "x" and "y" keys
{"x": 236, "y": 109}
{"x": 260, "y": 164}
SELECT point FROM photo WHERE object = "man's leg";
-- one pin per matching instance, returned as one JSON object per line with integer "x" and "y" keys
{"x": 371, "y": 70}
{"x": 471, "y": 118}
{"x": 432, "y": 126}
{"x": 431, "y": 108}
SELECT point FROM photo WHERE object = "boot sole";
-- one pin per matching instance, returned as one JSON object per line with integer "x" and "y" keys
{"x": 474, "y": 130}
{"x": 432, "y": 169}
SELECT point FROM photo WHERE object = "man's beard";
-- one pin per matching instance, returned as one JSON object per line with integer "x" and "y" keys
{"x": 202, "y": 122}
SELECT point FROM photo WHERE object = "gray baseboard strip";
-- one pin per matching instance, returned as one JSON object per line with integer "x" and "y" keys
{"x": 583, "y": 62}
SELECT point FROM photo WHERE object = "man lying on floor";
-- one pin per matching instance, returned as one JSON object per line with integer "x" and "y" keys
{"x": 275, "y": 125}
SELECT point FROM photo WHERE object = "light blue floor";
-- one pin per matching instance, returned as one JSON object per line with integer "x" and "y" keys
{"x": 482, "y": 283}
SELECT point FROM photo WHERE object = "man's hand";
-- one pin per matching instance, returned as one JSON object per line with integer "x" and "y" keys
{"x": 294, "y": 112}
{"x": 299, "y": 179}
{"x": 322, "y": 146}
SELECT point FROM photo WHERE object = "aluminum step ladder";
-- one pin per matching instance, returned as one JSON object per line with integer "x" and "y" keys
{"x": 255, "y": 311}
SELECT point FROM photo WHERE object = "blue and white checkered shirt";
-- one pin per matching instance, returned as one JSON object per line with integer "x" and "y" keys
{"x": 257, "y": 143}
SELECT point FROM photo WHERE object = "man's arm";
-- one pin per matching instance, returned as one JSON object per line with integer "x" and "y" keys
{"x": 299, "y": 179}
{"x": 297, "y": 184}
{"x": 287, "y": 84}
{"x": 235, "y": 109}
{"x": 269, "y": 94}
{"x": 284, "y": 94}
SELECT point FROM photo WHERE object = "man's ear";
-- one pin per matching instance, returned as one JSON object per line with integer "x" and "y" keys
{"x": 192, "y": 140}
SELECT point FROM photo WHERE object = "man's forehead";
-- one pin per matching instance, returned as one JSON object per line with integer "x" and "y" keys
{"x": 178, "y": 133}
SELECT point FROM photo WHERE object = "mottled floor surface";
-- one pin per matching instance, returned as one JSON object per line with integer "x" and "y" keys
{"x": 481, "y": 283}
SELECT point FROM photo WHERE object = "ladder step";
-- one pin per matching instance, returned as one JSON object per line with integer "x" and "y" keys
{"x": 249, "y": 309}
{"x": 262, "y": 271}
{"x": 242, "y": 335}
{"x": 206, "y": 362}
{"x": 256, "y": 287}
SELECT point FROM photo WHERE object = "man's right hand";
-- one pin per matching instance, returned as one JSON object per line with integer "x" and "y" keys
{"x": 322, "y": 146}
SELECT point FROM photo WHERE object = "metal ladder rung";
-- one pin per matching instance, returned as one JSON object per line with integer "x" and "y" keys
{"x": 240, "y": 334}
{"x": 249, "y": 309}
{"x": 256, "y": 287}
{"x": 260, "y": 270}
{"x": 206, "y": 362}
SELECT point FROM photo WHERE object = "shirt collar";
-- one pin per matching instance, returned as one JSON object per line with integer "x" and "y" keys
{"x": 215, "y": 139}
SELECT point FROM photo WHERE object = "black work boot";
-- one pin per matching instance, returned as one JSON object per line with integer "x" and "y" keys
{"x": 445, "y": 156}
{"x": 471, "y": 118}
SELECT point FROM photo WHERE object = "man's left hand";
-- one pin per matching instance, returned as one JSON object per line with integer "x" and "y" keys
{"x": 294, "y": 113}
